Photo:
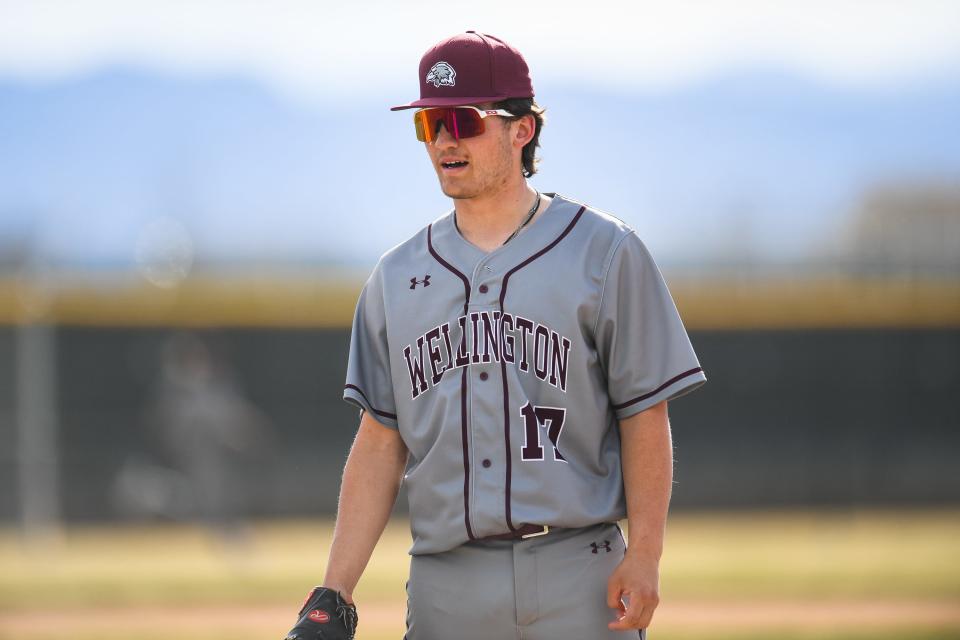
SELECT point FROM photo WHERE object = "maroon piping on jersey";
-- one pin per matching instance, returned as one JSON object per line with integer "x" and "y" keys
{"x": 463, "y": 387}
{"x": 503, "y": 363}
{"x": 658, "y": 389}
{"x": 385, "y": 414}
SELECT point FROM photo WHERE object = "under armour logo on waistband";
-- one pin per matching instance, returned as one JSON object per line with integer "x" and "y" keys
{"x": 425, "y": 282}
{"x": 605, "y": 545}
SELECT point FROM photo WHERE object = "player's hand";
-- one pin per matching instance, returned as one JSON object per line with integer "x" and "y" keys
{"x": 636, "y": 580}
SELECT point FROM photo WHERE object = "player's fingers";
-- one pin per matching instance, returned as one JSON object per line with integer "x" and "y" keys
{"x": 627, "y": 622}
{"x": 646, "y": 617}
{"x": 638, "y": 613}
{"x": 627, "y": 619}
{"x": 614, "y": 593}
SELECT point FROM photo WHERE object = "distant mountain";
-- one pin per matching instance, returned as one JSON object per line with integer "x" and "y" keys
{"x": 758, "y": 165}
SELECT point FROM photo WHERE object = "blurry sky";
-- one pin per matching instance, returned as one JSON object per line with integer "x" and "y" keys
{"x": 308, "y": 46}
{"x": 840, "y": 94}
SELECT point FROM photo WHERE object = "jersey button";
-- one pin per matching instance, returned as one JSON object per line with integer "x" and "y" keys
{"x": 484, "y": 288}
{"x": 486, "y": 463}
{"x": 484, "y": 375}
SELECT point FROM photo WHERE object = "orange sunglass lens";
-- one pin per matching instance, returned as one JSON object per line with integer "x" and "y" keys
{"x": 459, "y": 122}
{"x": 422, "y": 124}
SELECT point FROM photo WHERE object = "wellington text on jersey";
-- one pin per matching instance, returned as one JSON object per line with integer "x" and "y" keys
{"x": 493, "y": 336}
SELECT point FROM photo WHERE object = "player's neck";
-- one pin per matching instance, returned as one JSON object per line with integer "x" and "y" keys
{"x": 488, "y": 221}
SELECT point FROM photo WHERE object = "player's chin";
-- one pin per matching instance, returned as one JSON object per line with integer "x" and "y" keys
{"x": 455, "y": 191}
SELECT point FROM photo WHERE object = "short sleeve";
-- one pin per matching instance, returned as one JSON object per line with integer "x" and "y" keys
{"x": 641, "y": 341}
{"x": 369, "y": 384}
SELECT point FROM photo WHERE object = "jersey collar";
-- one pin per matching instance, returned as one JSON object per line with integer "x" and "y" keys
{"x": 467, "y": 257}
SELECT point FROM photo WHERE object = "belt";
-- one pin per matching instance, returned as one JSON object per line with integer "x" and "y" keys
{"x": 524, "y": 532}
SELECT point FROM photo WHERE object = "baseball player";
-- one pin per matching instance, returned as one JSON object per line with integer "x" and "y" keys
{"x": 512, "y": 362}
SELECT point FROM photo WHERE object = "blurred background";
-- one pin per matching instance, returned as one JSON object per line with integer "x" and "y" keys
{"x": 193, "y": 193}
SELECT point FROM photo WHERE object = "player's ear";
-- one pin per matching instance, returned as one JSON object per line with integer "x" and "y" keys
{"x": 525, "y": 128}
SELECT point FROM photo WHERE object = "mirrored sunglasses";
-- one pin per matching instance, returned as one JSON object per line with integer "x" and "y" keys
{"x": 460, "y": 122}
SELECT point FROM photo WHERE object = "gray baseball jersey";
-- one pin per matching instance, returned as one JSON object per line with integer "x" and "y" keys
{"x": 506, "y": 372}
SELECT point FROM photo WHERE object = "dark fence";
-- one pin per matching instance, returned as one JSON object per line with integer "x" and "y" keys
{"x": 813, "y": 417}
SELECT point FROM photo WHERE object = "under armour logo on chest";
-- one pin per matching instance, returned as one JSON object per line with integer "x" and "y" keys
{"x": 605, "y": 545}
{"x": 425, "y": 282}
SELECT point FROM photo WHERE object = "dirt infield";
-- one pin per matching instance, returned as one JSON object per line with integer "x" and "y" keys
{"x": 385, "y": 619}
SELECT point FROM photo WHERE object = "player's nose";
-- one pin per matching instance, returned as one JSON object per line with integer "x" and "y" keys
{"x": 443, "y": 138}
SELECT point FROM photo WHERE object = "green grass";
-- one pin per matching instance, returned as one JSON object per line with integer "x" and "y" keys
{"x": 861, "y": 554}
{"x": 865, "y": 554}
{"x": 171, "y": 564}
{"x": 806, "y": 556}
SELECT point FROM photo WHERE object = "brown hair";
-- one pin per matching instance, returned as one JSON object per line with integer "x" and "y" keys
{"x": 520, "y": 107}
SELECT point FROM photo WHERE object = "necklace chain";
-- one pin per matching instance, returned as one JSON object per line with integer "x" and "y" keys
{"x": 533, "y": 210}
{"x": 526, "y": 220}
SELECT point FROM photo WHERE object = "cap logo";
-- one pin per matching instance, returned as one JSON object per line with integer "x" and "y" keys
{"x": 442, "y": 74}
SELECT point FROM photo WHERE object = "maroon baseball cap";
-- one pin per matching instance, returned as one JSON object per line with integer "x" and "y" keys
{"x": 470, "y": 68}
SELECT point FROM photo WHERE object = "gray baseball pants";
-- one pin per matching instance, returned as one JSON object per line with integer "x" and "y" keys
{"x": 551, "y": 587}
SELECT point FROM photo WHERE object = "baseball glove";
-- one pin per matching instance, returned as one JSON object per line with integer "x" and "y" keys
{"x": 325, "y": 615}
